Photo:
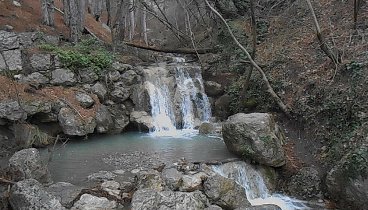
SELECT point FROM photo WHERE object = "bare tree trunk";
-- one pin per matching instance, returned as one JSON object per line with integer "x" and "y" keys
{"x": 95, "y": 8}
{"x": 109, "y": 15}
{"x": 66, "y": 4}
{"x": 48, "y": 12}
{"x": 282, "y": 106}
{"x": 356, "y": 10}
{"x": 144, "y": 25}
{"x": 323, "y": 44}
{"x": 76, "y": 18}
{"x": 118, "y": 26}
{"x": 132, "y": 20}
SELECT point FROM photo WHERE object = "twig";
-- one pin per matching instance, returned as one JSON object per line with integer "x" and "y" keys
{"x": 2, "y": 180}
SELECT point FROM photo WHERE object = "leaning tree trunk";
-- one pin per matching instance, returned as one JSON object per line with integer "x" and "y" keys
{"x": 48, "y": 12}
{"x": 282, "y": 106}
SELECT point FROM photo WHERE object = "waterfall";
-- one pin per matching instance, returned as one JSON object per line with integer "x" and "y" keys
{"x": 177, "y": 96}
{"x": 255, "y": 188}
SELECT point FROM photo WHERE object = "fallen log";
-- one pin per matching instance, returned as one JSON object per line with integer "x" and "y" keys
{"x": 179, "y": 51}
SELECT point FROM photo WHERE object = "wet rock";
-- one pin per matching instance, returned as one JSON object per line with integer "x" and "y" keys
{"x": 87, "y": 75}
{"x": 192, "y": 183}
{"x": 102, "y": 176}
{"x": 112, "y": 188}
{"x": 13, "y": 60}
{"x": 130, "y": 78}
{"x": 27, "y": 164}
{"x": 90, "y": 202}
{"x": 255, "y": 136}
{"x": 100, "y": 90}
{"x": 73, "y": 125}
{"x": 29, "y": 194}
{"x": 142, "y": 120}
{"x": 84, "y": 100}
{"x": 347, "y": 181}
{"x": 10, "y": 109}
{"x": 27, "y": 135}
{"x": 120, "y": 92}
{"x": 261, "y": 207}
{"x": 40, "y": 62}
{"x": 121, "y": 67}
{"x": 119, "y": 117}
{"x": 63, "y": 77}
{"x": 222, "y": 107}
{"x": 149, "y": 199}
{"x": 9, "y": 41}
{"x": 206, "y": 128}
{"x": 64, "y": 192}
{"x": 35, "y": 78}
{"x": 172, "y": 178}
{"x": 213, "y": 89}
{"x": 141, "y": 99}
{"x": 104, "y": 122}
{"x": 306, "y": 184}
{"x": 150, "y": 179}
{"x": 225, "y": 192}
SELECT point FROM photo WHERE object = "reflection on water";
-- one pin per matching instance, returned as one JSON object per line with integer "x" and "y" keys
{"x": 76, "y": 160}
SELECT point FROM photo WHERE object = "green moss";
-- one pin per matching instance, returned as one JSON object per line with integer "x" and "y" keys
{"x": 356, "y": 163}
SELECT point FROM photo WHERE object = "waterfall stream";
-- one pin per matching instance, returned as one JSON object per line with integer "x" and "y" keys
{"x": 255, "y": 188}
{"x": 177, "y": 97}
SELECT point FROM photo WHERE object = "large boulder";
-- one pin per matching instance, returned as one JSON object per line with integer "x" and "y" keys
{"x": 120, "y": 92}
{"x": 13, "y": 60}
{"x": 347, "y": 181}
{"x": 32, "y": 107}
{"x": 255, "y": 136}
{"x": 29, "y": 194}
{"x": 73, "y": 125}
{"x": 148, "y": 199}
{"x": 27, "y": 135}
{"x": 172, "y": 177}
{"x": 142, "y": 120}
{"x": 207, "y": 128}
{"x": 104, "y": 121}
{"x": 130, "y": 78}
{"x": 119, "y": 116}
{"x": 222, "y": 107}
{"x": 261, "y": 207}
{"x": 100, "y": 90}
{"x": 193, "y": 182}
{"x": 9, "y": 41}
{"x": 90, "y": 202}
{"x": 64, "y": 77}
{"x": 27, "y": 164}
{"x": 225, "y": 192}
{"x": 306, "y": 184}
{"x": 40, "y": 62}
{"x": 35, "y": 78}
{"x": 150, "y": 179}
{"x": 11, "y": 110}
{"x": 85, "y": 100}
{"x": 64, "y": 192}
{"x": 213, "y": 89}
{"x": 87, "y": 75}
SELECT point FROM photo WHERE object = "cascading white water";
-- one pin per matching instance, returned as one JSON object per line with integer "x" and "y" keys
{"x": 190, "y": 99}
{"x": 255, "y": 188}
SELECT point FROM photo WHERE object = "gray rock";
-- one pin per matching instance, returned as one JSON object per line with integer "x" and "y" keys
{"x": 112, "y": 188}
{"x": 213, "y": 207}
{"x": 120, "y": 92}
{"x": 150, "y": 180}
{"x": 225, "y": 192}
{"x": 27, "y": 164}
{"x": 255, "y": 136}
{"x": 11, "y": 110}
{"x": 207, "y": 128}
{"x": 261, "y": 207}
{"x": 119, "y": 117}
{"x": 347, "y": 181}
{"x": 102, "y": 176}
{"x": 147, "y": 199}
{"x": 29, "y": 194}
{"x": 13, "y": 59}
{"x": 64, "y": 192}
{"x": 9, "y": 41}
{"x": 35, "y": 78}
{"x": 84, "y": 100}
{"x": 2, "y": 63}
{"x": 130, "y": 78}
{"x": 213, "y": 89}
{"x": 222, "y": 107}
{"x": 73, "y": 125}
{"x": 27, "y": 135}
{"x": 63, "y": 77}
{"x": 121, "y": 67}
{"x": 104, "y": 121}
{"x": 17, "y": 3}
{"x": 172, "y": 177}
{"x": 87, "y": 75}
{"x": 37, "y": 106}
{"x": 192, "y": 183}
{"x": 90, "y": 202}
{"x": 306, "y": 184}
{"x": 142, "y": 120}
{"x": 40, "y": 62}
{"x": 100, "y": 90}
{"x": 27, "y": 39}
{"x": 114, "y": 76}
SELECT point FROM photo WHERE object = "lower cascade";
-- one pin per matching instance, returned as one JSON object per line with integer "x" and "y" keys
{"x": 176, "y": 97}
{"x": 255, "y": 188}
